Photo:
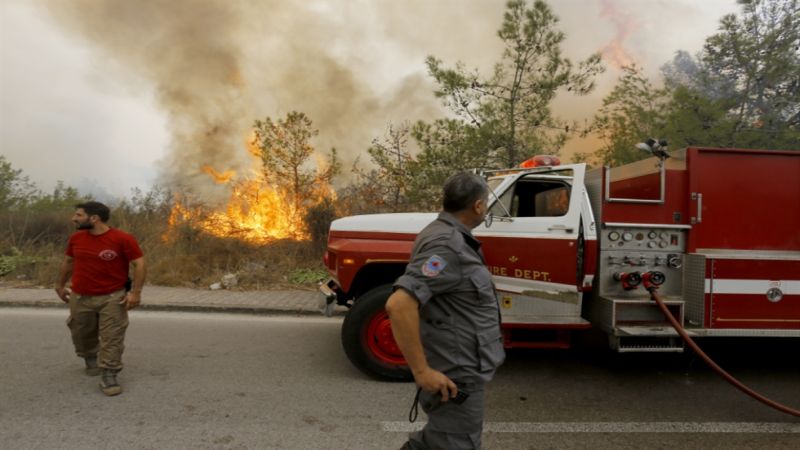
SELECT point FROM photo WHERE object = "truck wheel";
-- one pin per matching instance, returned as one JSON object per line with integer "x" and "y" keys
{"x": 367, "y": 337}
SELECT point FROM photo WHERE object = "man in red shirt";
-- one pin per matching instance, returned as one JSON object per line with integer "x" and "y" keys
{"x": 98, "y": 258}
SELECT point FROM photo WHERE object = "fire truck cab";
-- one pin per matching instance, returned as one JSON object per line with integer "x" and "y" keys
{"x": 717, "y": 230}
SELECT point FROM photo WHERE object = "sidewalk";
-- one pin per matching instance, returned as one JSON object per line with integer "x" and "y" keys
{"x": 185, "y": 299}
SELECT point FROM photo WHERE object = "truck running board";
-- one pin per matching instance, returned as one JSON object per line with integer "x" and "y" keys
{"x": 647, "y": 344}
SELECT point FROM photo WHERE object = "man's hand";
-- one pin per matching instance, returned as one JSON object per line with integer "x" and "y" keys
{"x": 131, "y": 300}
{"x": 434, "y": 381}
{"x": 63, "y": 293}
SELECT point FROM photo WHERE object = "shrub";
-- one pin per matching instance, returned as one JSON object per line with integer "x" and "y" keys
{"x": 318, "y": 220}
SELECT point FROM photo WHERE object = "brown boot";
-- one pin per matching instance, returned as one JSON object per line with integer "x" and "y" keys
{"x": 91, "y": 366}
{"x": 108, "y": 383}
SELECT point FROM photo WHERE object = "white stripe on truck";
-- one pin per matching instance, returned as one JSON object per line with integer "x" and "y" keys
{"x": 728, "y": 286}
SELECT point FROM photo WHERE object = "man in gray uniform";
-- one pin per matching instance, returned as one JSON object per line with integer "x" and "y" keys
{"x": 446, "y": 319}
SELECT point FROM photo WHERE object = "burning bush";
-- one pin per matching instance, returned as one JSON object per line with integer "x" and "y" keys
{"x": 255, "y": 213}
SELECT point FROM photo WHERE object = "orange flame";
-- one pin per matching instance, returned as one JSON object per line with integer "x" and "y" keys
{"x": 617, "y": 55}
{"x": 624, "y": 25}
{"x": 219, "y": 178}
{"x": 255, "y": 213}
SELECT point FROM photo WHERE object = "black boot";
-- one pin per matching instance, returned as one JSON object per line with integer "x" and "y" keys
{"x": 108, "y": 383}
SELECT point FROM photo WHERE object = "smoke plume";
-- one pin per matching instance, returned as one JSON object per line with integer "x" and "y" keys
{"x": 217, "y": 65}
{"x": 352, "y": 66}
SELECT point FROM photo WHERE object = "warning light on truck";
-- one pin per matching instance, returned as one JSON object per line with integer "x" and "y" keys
{"x": 539, "y": 161}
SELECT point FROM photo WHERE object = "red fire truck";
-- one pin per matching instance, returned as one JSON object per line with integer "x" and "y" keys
{"x": 570, "y": 249}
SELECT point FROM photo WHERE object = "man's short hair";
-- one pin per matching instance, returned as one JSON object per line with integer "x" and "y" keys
{"x": 462, "y": 190}
{"x": 95, "y": 209}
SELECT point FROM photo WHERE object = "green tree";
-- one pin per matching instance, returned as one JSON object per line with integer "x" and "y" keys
{"x": 693, "y": 118}
{"x": 16, "y": 189}
{"x": 742, "y": 90}
{"x": 446, "y": 146}
{"x": 157, "y": 202}
{"x": 285, "y": 149}
{"x": 388, "y": 182}
{"x": 63, "y": 197}
{"x": 698, "y": 108}
{"x": 749, "y": 70}
{"x": 513, "y": 104}
{"x": 631, "y": 112}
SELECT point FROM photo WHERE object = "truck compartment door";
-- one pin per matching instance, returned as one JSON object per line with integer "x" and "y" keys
{"x": 752, "y": 292}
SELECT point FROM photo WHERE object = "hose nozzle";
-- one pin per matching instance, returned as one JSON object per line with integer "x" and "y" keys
{"x": 629, "y": 280}
{"x": 653, "y": 279}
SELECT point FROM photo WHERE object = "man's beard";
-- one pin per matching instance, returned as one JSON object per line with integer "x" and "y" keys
{"x": 84, "y": 225}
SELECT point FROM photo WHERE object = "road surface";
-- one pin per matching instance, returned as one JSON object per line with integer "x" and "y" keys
{"x": 234, "y": 381}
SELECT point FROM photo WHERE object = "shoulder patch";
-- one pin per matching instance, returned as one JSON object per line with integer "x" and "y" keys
{"x": 433, "y": 266}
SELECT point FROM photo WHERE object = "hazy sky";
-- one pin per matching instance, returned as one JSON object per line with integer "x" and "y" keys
{"x": 107, "y": 95}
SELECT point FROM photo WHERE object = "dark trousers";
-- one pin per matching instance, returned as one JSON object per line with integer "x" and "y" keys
{"x": 452, "y": 426}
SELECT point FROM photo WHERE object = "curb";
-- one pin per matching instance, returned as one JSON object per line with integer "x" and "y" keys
{"x": 43, "y": 304}
{"x": 32, "y": 304}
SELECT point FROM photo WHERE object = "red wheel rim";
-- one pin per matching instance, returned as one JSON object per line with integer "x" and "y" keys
{"x": 380, "y": 341}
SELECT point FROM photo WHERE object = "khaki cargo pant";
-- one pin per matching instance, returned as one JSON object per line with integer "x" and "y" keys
{"x": 98, "y": 325}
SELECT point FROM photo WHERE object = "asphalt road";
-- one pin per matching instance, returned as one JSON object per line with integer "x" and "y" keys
{"x": 225, "y": 381}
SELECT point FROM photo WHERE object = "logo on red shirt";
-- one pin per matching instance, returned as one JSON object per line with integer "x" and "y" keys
{"x": 108, "y": 255}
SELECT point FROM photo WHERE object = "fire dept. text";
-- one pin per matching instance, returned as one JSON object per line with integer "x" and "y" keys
{"x": 520, "y": 273}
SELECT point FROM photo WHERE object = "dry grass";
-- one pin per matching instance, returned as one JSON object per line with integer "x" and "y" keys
{"x": 32, "y": 246}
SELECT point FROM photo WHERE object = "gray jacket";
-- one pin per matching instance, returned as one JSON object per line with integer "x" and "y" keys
{"x": 459, "y": 312}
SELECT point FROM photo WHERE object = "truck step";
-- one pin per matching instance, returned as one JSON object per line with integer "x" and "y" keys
{"x": 647, "y": 344}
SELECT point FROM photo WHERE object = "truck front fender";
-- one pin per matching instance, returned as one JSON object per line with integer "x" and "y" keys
{"x": 376, "y": 274}
{"x": 350, "y": 258}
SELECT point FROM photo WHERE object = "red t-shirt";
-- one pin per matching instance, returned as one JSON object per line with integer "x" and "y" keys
{"x": 100, "y": 263}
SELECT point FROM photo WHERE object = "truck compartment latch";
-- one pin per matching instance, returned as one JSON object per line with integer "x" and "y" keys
{"x": 698, "y": 197}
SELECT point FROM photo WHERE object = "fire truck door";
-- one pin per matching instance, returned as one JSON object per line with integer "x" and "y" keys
{"x": 533, "y": 254}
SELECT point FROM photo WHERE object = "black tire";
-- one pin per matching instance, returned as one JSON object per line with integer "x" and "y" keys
{"x": 366, "y": 312}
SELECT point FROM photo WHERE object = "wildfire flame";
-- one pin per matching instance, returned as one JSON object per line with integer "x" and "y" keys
{"x": 220, "y": 178}
{"x": 255, "y": 212}
{"x": 616, "y": 54}
{"x": 624, "y": 25}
